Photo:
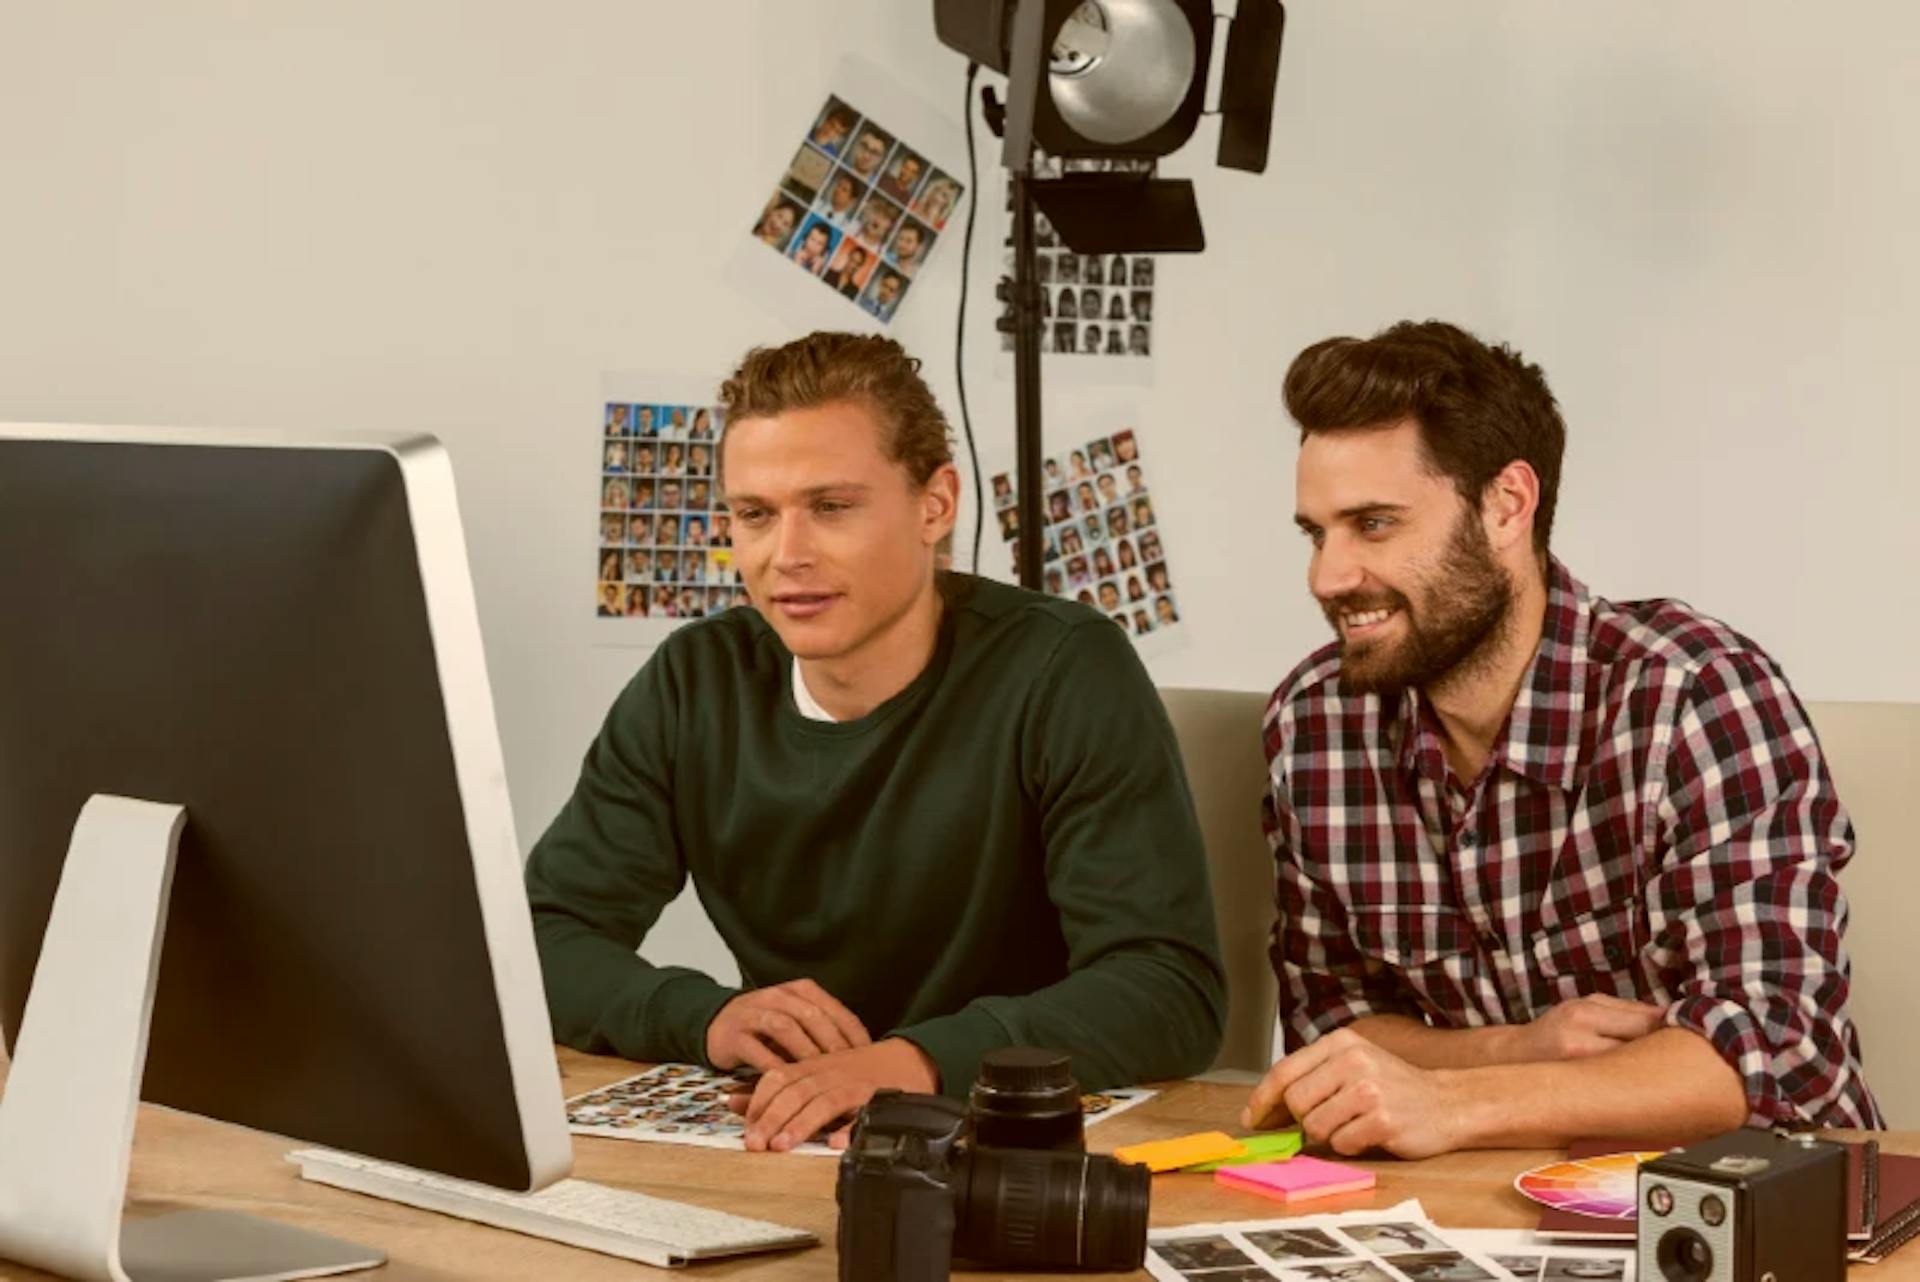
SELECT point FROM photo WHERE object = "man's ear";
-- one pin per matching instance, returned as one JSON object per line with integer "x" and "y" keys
{"x": 940, "y": 504}
{"x": 1508, "y": 505}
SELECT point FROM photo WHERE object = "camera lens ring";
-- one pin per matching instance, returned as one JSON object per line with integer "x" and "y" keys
{"x": 1713, "y": 1210}
{"x": 1684, "y": 1256}
{"x": 1660, "y": 1199}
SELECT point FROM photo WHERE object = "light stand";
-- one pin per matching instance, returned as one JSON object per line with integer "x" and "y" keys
{"x": 1026, "y": 379}
{"x": 1116, "y": 79}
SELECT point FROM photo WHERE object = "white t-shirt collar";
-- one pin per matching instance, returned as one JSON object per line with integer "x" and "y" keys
{"x": 803, "y": 698}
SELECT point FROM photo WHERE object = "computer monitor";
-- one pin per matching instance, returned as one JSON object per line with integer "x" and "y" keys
{"x": 281, "y": 638}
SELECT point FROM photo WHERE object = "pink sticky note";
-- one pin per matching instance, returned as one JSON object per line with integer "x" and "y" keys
{"x": 1297, "y": 1180}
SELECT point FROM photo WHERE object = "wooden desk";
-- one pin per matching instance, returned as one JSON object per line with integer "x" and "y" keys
{"x": 182, "y": 1162}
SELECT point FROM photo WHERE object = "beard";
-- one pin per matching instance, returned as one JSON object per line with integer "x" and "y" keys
{"x": 1462, "y": 612}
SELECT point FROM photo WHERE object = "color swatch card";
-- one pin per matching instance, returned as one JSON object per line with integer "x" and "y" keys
{"x": 1299, "y": 1179}
{"x": 1604, "y": 1186}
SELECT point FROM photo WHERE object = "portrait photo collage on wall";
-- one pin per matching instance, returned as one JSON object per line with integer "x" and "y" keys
{"x": 859, "y": 209}
{"x": 1102, "y": 542}
{"x": 666, "y": 540}
{"x": 1093, "y": 304}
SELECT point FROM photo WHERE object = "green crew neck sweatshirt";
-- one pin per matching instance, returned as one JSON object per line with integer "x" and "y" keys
{"x": 1004, "y": 853}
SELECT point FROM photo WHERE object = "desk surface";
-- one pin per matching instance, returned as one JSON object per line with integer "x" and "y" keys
{"x": 182, "y": 1162}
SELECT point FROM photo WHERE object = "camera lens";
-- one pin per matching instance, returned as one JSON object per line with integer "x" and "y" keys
{"x": 1684, "y": 1256}
{"x": 1713, "y": 1211}
{"x": 1660, "y": 1199}
{"x": 1025, "y": 1097}
{"x": 1053, "y": 1210}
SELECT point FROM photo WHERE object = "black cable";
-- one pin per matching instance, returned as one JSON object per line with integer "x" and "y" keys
{"x": 960, "y": 332}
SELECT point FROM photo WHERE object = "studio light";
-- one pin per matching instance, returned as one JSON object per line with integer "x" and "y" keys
{"x": 1114, "y": 78}
{"x": 1107, "y": 80}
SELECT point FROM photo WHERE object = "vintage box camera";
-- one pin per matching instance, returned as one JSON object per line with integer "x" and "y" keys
{"x": 1750, "y": 1206}
{"x": 1004, "y": 1180}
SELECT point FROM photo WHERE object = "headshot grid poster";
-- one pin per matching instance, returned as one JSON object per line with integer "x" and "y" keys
{"x": 1092, "y": 304}
{"x": 666, "y": 540}
{"x": 859, "y": 208}
{"x": 1102, "y": 540}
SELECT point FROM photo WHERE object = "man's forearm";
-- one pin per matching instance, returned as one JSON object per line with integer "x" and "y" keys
{"x": 1427, "y": 1047}
{"x": 1142, "y": 1016}
{"x": 602, "y": 997}
{"x": 1671, "y": 1085}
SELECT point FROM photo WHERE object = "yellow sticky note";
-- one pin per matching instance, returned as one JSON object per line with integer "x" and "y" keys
{"x": 1171, "y": 1155}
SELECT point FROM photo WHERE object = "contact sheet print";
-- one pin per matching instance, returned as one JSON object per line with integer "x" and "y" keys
{"x": 1092, "y": 304}
{"x": 1399, "y": 1244}
{"x": 688, "y": 1104}
{"x": 859, "y": 209}
{"x": 666, "y": 538}
{"x": 1103, "y": 545}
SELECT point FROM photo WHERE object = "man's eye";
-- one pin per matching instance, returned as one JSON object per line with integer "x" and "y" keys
{"x": 830, "y": 507}
{"x": 750, "y": 515}
{"x": 1315, "y": 537}
{"x": 1376, "y": 524}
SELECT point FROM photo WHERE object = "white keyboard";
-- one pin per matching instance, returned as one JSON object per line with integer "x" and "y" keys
{"x": 614, "y": 1221}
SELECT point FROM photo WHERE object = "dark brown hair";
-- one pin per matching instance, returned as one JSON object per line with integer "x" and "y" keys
{"x": 1478, "y": 408}
{"x": 825, "y": 367}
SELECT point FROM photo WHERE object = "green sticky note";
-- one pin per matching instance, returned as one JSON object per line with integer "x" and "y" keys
{"x": 1274, "y": 1146}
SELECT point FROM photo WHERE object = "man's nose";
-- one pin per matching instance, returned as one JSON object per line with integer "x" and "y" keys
{"x": 1334, "y": 570}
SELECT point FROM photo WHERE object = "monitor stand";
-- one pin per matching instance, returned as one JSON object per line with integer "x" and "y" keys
{"x": 66, "y": 1120}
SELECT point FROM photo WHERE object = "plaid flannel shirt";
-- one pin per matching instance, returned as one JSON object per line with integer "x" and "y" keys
{"x": 1656, "y": 822}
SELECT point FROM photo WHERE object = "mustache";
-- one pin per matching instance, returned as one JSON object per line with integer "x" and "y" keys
{"x": 1360, "y": 602}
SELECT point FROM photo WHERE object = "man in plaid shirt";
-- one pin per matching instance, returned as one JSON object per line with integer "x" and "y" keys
{"x": 1548, "y": 866}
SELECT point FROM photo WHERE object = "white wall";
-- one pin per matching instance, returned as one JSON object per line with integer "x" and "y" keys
{"x": 455, "y": 216}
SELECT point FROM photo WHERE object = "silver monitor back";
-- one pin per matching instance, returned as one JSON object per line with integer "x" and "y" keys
{"x": 281, "y": 636}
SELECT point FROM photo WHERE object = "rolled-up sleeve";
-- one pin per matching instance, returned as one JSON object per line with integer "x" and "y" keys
{"x": 1746, "y": 910}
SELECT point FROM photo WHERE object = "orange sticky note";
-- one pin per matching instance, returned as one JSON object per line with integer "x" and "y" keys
{"x": 1171, "y": 1155}
{"x": 1298, "y": 1180}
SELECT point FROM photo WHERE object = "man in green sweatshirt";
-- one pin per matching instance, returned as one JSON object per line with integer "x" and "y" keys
{"x": 930, "y": 814}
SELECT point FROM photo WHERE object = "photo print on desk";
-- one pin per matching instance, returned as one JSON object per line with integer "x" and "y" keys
{"x": 1356, "y": 1246}
{"x": 687, "y": 1104}
{"x": 1092, "y": 304}
{"x": 859, "y": 209}
{"x": 666, "y": 539}
{"x": 1102, "y": 542}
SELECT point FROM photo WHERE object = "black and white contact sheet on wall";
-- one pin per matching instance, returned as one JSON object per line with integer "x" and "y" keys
{"x": 1092, "y": 305}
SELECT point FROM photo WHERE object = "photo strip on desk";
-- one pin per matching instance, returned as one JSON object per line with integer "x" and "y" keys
{"x": 1398, "y": 1244}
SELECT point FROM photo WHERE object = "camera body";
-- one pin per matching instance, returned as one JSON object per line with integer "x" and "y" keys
{"x": 896, "y": 1187}
{"x": 1748, "y": 1206}
{"x": 1004, "y": 1181}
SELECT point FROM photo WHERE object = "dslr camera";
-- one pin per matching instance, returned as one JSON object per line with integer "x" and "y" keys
{"x": 1003, "y": 1180}
{"x": 1749, "y": 1206}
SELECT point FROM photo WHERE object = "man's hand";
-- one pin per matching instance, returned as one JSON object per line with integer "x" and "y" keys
{"x": 793, "y": 1102}
{"x": 1349, "y": 1093}
{"x": 1590, "y": 1025}
{"x": 765, "y": 1028}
